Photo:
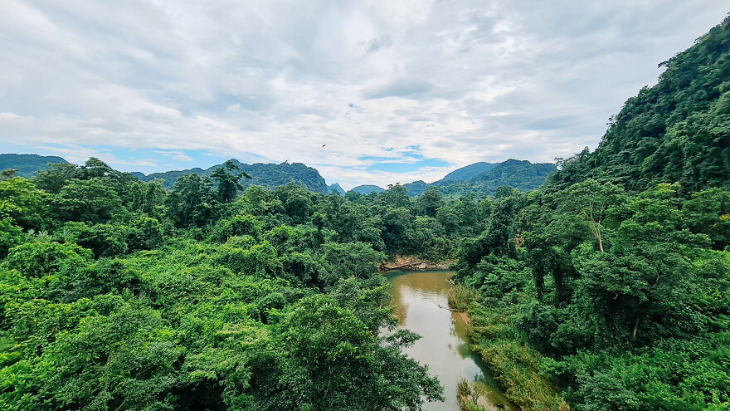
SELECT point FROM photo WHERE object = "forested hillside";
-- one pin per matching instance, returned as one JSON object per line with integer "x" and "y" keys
{"x": 27, "y": 165}
{"x": 518, "y": 174}
{"x": 677, "y": 131}
{"x": 468, "y": 172}
{"x": 612, "y": 283}
{"x": 266, "y": 175}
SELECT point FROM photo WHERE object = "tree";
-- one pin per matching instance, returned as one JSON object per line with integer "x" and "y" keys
{"x": 147, "y": 197}
{"x": 228, "y": 183}
{"x": 396, "y": 223}
{"x": 429, "y": 202}
{"x": 708, "y": 212}
{"x": 504, "y": 192}
{"x": 86, "y": 200}
{"x": 239, "y": 225}
{"x": 350, "y": 259}
{"x": 123, "y": 360}
{"x": 22, "y": 202}
{"x": 10, "y": 235}
{"x": 191, "y": 202}
{"x": 44, "y": 258}
{"x": 297, "y": 201}
{"x": 55, "y": 177}
{"x": 336, "y": 362}
{"x": 395, "y": 196}
{"x": 8, "y": 174}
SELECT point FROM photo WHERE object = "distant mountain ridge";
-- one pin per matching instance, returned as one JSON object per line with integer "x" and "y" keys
{"x": 266, "y": 175}
{"x": 27, "y": 164}
{"x": 483, "y": 179}
{"x": 469, "y": 172}
{"x": 335, "y": 187}
{"x": 367, "y": 189}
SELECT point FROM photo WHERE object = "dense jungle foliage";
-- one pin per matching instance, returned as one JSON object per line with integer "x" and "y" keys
{"x": 120, "y": 294}
{"x": 607, "y": 289}
{"x": 612, "y": 282}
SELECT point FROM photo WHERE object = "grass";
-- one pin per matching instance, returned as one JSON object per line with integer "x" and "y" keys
{"x": 514, "y": 364}
{"x": 461, "y": 297}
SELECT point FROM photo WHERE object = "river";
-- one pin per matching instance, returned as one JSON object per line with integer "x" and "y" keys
{"x": 420, "y": 298}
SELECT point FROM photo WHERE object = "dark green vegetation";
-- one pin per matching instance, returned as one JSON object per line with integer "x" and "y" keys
{"x": 612, "y": 283}
{"x": 266, "y": 175}
{"x": 26, "y": 165}
{"x": 416, "y": 188}
{"x": 121, "y": 294}
{"x": 677, "y": 131}
{"x": 609, "y": 288}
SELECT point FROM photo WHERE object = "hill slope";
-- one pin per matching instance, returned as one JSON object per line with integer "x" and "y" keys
{"x": 676, "y": 131}
{"x": 469, "y": 172}
{"x": 520, "y": 174}
{"x": 337, "y": 188}
{"x": 27, "y": 164}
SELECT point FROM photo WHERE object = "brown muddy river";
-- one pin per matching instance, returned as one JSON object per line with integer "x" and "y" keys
{"x": 420, "y": 298}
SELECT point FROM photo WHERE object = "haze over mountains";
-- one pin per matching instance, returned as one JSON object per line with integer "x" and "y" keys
{"x": 480, "y": 178}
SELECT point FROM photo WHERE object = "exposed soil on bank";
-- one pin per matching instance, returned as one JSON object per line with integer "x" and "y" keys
{"x": 413, "y": 263}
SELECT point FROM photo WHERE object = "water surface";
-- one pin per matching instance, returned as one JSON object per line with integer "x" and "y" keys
{"x": 420, "y": 298}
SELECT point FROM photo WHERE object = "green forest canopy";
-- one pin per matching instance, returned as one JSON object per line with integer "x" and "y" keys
{"x": 608, "y": 288}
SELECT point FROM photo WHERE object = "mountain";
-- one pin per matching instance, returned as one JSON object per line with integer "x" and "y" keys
{"x": 483, "y": 179}
{"x": 416, "y": 188}
{"x": 519, "y": 174}
{"x": 676, "y": 131}
{"x": 367, "y": 189}
{"x": 469, "y": 172}
{"x": 27, "y": 164}
{"x": 267, "y": 175}
{"x": 335, "y": 187}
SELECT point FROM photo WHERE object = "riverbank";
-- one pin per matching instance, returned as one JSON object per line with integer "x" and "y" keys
{"x": 412, "y": 263}
{"x": 513, "y": 364}
{"x": 420, "y": 300}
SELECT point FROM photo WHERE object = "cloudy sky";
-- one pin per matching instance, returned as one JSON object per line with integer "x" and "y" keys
{"x": 365, "y": 91}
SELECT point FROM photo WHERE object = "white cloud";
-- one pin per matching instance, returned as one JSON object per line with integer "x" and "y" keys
{"x": 465, "y": 81}
{"x": 175, "y": 155}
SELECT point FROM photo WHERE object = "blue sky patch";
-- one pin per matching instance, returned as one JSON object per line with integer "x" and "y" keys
{"x": 395, "y": 167}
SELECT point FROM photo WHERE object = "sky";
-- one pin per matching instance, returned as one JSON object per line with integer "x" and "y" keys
{"x": 367, "y": 92}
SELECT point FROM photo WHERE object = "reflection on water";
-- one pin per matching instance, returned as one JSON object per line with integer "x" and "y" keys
{"x": 420, "y": 298}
